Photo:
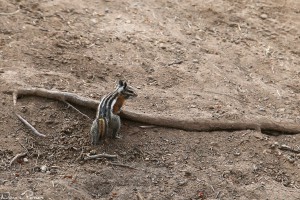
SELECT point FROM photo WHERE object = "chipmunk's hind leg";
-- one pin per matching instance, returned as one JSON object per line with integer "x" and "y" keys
{"x": 115, "y": 126}
{"x": 94, "y": 133}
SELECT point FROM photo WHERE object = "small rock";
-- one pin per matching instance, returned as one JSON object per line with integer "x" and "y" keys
{"x": 187, "y": 173}
{"x": 237, "y": 153}
{"x": 23, "y": 109}
{"x": 49, "y": 122}
{"x": 181, "y": 183}
{"x": 291, "y": 159}
{"x": 36, "y": 169}
{"x": 94, "y": 20}
{"x": 255, "y": 168}
{"x": 93, "y": 152}
{"x": 162, "y": 45}
{"x": 25, "y": 160}
{"x": 263, "y": 16}
{"x": 195, "y": 61}
{"x": 90, "y": 76}
{"x": 44, "y": 168}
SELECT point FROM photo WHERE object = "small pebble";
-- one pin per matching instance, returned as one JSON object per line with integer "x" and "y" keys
{"x": 181, "y": 183}
{"x": 93, "y": 152}
{"x": 263, "y": 16}
{"x": 195, "y": 61}
{"x": 162, "y": 45}
{"x": 44, "y": 168}
{"x": 90, "y": 76}
{"x": 94, "y": 20}
{"x": 237, "y": 153}
{"x": 187, "y": 173}
{"x": 290, "y": 159}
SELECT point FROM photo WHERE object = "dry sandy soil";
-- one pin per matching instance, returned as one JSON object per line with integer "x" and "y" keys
{"x": 220, "y": 60}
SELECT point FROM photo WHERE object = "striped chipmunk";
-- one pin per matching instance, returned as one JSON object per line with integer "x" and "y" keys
{"x": 107, "y": 122}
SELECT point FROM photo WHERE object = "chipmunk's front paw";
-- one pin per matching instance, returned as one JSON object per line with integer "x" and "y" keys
{"x": 118, "y": 136}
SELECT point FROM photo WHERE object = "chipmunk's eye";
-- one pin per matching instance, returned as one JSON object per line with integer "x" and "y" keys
{"x": 121, "y": 83}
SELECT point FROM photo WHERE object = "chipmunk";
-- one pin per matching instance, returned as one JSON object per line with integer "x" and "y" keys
{"x": 107, "y": 122}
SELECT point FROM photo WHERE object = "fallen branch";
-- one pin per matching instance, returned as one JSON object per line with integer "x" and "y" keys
{"x": 100, "y": 156}
{"x": 197, "y": 124}
{"x": 18, "y": 156}
{"x": 189, "y": 124}
{"x": 33, "y": 130}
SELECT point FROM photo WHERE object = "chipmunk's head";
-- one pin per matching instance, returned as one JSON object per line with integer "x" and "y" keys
{"x": 126, "y": 90}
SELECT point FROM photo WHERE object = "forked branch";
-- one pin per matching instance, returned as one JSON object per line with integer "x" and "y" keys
{"x": 188, "y": 124}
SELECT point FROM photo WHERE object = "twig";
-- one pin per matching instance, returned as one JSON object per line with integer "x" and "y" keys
{"x": 70, "y": 105}
{"x": 100, "y": 156}
{"x": 189, "y": 124}
{"x": 37, "y": 158}
{"x": 287, "y": 148}
{"x": 177, "y": 62}
{"x": 139, "y": 196}
{"x": 23, "y": 146}
{"x": 80, "y": 156}
{"x": 122, "y": 165}
{"x": 11, "y": 12}
{"x": 18, "y": 156}
{"x": 30, "y": 126}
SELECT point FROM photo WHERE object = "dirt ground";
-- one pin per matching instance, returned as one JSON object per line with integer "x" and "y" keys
{"x": 222, "y": 59}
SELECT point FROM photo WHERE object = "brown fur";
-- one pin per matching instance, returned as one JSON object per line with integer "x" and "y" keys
{"x": 118, "y": 105}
